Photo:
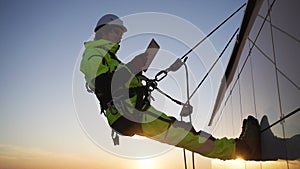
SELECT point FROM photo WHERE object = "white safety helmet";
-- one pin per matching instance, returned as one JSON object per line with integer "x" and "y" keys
{"x": 110, "y": 19}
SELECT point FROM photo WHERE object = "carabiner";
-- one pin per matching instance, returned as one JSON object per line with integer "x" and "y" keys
{"x": 163, "y": 73}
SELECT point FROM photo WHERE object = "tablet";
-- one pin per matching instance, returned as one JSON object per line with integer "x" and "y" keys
{"x": 151, "y": 50}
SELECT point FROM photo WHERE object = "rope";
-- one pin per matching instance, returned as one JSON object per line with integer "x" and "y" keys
{"x": 253, "y": 87}
{"x": 213, "y": 65}
{"x": 277, "y": 69}
{"x": 275, "y": 64}
{"x": 281, "y": 119}
{"x": 168, "y": 96}
{"x": 188, "y": 91}
{"x": 190, "y": 96}
{"x": 277, "y": 80}
{"x": 240, "y": 98}
{"x": 231, "y": 104}
{"x": 184, "y": 153}
{"x": 190, "y": 117}
{"x": 213, "y": 30}
{"x": 206, "y": 75}
{"x": 163, "y": 73}
{"x": 281, "y": 30}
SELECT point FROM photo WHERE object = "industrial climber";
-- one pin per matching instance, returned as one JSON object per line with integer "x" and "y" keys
{"x": 124, "y": 100}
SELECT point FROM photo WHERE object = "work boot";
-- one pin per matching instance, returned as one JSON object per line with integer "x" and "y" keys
{"x": 248, "y": 144}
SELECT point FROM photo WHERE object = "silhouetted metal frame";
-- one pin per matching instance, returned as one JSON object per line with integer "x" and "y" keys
{"x": 251, "y": 12}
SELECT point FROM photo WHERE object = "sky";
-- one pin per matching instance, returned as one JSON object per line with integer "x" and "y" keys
{"x": 40, "y": 45}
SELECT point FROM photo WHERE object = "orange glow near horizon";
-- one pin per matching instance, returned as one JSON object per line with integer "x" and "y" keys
{"x": 239, "y": 159}
{"x": 234, "y": 164}
{"x": 146, "y": 164}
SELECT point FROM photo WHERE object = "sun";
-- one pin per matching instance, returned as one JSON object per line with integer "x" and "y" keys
{"x": 239, "y": 159}
{"x": 146, "y": 163}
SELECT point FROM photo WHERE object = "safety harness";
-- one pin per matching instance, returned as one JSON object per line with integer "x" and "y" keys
{"x": 142, "y": 93}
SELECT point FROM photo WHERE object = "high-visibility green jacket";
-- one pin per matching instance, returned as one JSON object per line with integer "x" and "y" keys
{"x": 99, "y": 63}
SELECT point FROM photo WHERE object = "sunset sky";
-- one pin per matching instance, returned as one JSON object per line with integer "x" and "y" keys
{"x": 41, "y": 41}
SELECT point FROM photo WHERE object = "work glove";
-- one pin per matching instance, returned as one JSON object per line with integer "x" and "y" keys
{"x": 137, "y": 63}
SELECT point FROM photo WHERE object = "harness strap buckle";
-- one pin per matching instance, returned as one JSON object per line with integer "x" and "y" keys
{"x": 112, "y": 108}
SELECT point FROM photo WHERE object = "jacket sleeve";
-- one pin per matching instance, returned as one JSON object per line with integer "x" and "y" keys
{"x": 91, "y": 66}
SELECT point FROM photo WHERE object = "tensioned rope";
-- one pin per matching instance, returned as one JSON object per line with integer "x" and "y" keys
{"x": 163, "y": 73}
{"x": 213, "y": 30}
{"x": 281, "y": 30}
{"x": 189, "y": 96}
{"x": 277, "y": 69}
{"x": 213, "y": 65}
{"x": 190, "y": 117}
{"x": 253, "y": 86}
